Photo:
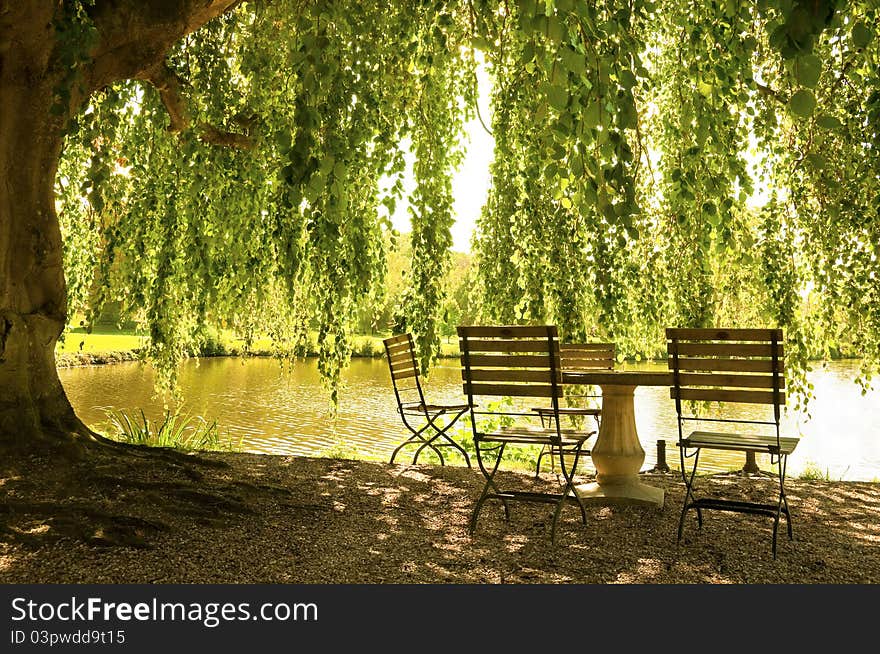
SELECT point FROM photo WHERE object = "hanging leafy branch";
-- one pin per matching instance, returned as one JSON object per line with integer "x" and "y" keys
{"x": 656, "y": 163}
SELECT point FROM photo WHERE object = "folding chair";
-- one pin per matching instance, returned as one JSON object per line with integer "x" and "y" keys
{"x": 730, "y": 365}
{"x": 577, "y": 357}
{"x": 411, "y": 403}
{"x": 517, "y": 364}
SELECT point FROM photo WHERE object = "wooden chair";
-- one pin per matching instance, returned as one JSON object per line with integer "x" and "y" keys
{"x": 730, "y": 365}
{"x": 413, "y": 408}
{"x": 517, "y": 364}
{"x": 577, "y": 357}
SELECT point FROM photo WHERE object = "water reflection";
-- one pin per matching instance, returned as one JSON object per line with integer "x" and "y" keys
{"x": 274, "y": 409}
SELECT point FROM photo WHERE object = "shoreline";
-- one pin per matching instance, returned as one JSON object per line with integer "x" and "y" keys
{"x": 76, "y": 359}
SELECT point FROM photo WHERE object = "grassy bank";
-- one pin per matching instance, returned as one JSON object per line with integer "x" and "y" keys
{"x": 108, "y": 340}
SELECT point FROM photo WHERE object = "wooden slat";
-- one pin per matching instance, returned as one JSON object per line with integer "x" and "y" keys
{"x": 402, "y": 366}
{"x": 746, "y": 442}
{"x": 587, "y": 348}
{"x": 399, "y": 347}
{"x": 404, "y": 374}
{"x": 725, "y": 365}
{"x": 509, "y": 361}
{"x": 519, "y": 345}
{"x": 725, "y": 349}
{"x": 586, "y": 356}
{"x": 395, "y": 340}
{"x": 721, "y": 395}
{"x": 587, "y": 364}
{"x": 510, "y": 390}
{"x": 714, "y": 334}
{"x": 617, "y": 377}
{"x": 506, "y": 331}
{"x": 402, "y": 356}
{"x": 502, "y": 374}
{"x": 568, "y": 411}
{"x": 603, "y": 362}
{"x": 738, "y": 381}
{"x": 536, "y": 435}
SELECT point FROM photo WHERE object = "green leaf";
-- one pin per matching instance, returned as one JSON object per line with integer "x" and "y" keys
{"x": 802, "y": 103}
{"x": 573, "y": 61}
{"x": 817, "y": 161}
{"x": 557, "y": 96}
{"x": 480, "y": 43}
{"x": 527, "y": 7}
{"x": 828, "y": 122}
{"x": 861, "y": 35}
{"x": 807, "y": 70}
{"x": 283, "y": 141}
{"x": 627, "y": 79}
{"x": 555, "y": 29}
{"x": 627, "y": 118}
{"x": 592, "y": 114}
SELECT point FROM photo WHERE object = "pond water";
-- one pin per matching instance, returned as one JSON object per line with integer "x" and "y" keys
{"x": 262, "y": 406}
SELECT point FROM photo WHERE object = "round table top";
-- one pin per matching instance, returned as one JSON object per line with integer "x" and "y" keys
{"x": 617, "y": 378}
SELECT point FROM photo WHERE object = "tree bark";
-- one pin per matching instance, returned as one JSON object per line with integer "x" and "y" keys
{"x": 132, "y": 36}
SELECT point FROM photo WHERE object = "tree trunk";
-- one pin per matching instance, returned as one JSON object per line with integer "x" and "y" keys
{"x": 132, "y": 37}
{"x": 33, "y": 300}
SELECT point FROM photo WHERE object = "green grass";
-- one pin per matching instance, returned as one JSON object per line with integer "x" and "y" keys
{"x": 813, "y": 472}
{"x": 102, "y": 339}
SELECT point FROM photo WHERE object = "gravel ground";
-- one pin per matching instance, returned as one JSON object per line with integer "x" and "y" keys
{"x": 249, "y": 518}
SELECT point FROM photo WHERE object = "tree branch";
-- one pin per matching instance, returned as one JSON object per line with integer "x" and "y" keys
{"x": 168, "y": 83}
{"x": 214, "y": 136}
{"x": 768, "y": 92}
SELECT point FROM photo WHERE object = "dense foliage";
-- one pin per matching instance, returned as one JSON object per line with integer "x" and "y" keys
{"x": 656, "y": 164}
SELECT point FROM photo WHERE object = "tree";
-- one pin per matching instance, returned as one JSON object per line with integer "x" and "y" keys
{"x": 52, "y": 61}
{"x": 630, "y": 141}
{"x": 233, "y": 174}
{"x": 308, "y": 122}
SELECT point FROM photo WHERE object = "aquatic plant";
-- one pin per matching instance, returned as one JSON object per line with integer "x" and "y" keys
{"x": 175, "y": 429}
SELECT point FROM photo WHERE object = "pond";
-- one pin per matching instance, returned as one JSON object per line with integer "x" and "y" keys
{"x": 262, "y": 406}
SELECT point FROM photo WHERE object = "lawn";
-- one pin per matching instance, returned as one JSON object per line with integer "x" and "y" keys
{"x": 109, "y": 338}
{"x": 102, "y": 339}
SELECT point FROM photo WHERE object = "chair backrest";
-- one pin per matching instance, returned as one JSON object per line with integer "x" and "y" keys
{"x": 404, "y": 369}
{"x": 512, "y": 362}
{"x": 727, "y": 365}
{"x": 587, "y": 356}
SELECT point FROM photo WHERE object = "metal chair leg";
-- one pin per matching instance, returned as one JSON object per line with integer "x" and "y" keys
{"x": 441, "y": 432}
{"x": 689, "y": 499}
{"x": 569, "y": 488}
{"x": 489, "y": 485}
{"x": 541, "y": 455}
{"x": 415, "y": 438}
{"x": 784, "y": 464}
